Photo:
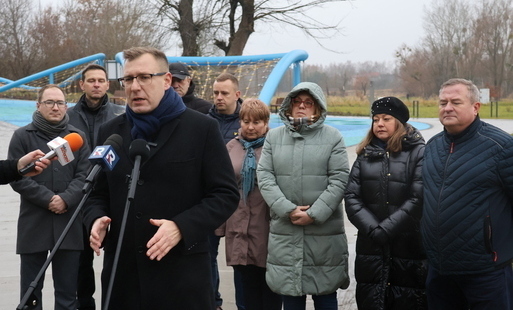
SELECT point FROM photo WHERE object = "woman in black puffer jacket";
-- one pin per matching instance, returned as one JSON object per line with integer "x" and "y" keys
{"x": 383, "y": 199}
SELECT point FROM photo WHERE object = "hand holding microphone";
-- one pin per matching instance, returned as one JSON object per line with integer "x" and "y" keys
{"x": 63, "y": 148}
{"x": 35, "y": 157}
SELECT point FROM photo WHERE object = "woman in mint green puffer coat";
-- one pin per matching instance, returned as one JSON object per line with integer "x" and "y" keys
{"x": 302, "y": 175}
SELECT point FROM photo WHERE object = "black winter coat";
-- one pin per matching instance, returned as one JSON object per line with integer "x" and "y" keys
{"x": 78, "y": 117}
{"x": 195, "y": 103}
{"x": 188, "y": 178}
{"x": 383, "y": 199}
{"x": 9, "y": 171}
{"x": 39, "y": 228}
{"x": 229, "y": 124}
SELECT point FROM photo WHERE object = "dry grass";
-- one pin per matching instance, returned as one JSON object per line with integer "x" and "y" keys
{"x": 427, "y": 108}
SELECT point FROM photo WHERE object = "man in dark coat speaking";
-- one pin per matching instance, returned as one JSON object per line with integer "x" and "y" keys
{"x": 186, "y": 189}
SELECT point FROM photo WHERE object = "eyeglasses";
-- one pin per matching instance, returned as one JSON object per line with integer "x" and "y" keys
{"x": 51, "y": 103}
{"x": 142, "y": 79}
{"x": 308, "y": 102}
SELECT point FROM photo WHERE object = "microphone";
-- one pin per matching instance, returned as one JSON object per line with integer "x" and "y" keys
{"x": 139, "y": 147}
{"x": 63, "y": 148}
{"x": 103, "y": 157}
{"x": 138, "y": 151}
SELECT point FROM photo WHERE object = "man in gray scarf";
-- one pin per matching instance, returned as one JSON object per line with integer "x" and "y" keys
{"x": 48, "y": 201}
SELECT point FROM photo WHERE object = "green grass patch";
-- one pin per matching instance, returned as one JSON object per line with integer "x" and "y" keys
{"x": 422, "y": 108}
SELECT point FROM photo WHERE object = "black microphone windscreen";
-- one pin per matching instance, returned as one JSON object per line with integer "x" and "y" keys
{"x": 116, "y": 141}
{"x": 139, "y": 147}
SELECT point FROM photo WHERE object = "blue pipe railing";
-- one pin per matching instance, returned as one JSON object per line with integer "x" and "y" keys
{"x": 99, "y": 58}
{"x": 293, "y": 58}
{"x": 7, "y": 81}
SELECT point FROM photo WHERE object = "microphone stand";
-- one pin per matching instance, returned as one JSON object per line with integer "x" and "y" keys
{"x": 29, "y": 296}
{"x": 134, "y": 178}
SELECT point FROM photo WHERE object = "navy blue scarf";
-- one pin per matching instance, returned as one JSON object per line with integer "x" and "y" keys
{"x": 146, "y": 126}
{"x": 249, "y": 164}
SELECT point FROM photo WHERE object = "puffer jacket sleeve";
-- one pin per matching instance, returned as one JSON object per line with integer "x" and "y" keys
{"x": 410, "y": 212}
{"x": 267, "y": 184}
{"x": 337, "y": 172}
{"x": 361, "y": 217}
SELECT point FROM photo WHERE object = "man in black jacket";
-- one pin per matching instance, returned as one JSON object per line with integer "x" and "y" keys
{"x": 186, "y": 189}
{"x": 92, "y": 110}
{"x": 183, "y": 84}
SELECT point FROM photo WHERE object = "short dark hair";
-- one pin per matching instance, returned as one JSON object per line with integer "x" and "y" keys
{"x": 92, "y": 67}
{"x": 228, "y": 76}
{"x": 44, "y": 88}
{"x": 136, "y": 52}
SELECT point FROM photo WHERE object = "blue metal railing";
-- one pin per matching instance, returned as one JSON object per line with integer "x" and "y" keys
{"x": 291, "y": 60}
{"x": 99, "y": 58}
{"x": 288, "y": 60}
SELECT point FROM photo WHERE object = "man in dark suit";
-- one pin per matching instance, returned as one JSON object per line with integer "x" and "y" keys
{"x": 186, "y": 189}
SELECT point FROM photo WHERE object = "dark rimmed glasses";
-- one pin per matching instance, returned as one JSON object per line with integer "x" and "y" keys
{"x": 51, "y": 103}
{"x": 308, "y": 103}
{"x": 142, "y": 79}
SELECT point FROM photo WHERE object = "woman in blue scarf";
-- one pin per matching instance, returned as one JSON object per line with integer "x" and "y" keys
{"x": 247, "y": 230}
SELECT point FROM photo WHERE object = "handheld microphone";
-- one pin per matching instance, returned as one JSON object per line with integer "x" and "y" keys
{"x": 138, "y": 151}
{"x": 63, "y": 148}
{"x": 103, "y": 157}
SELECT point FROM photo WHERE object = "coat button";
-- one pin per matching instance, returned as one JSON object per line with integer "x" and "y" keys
{"x": 140, "y": 182}
{"x": 140, "y": 249}
{"x": 138, "y": 215}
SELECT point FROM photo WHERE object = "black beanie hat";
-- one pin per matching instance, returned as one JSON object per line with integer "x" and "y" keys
{"x": 391, "y": 106}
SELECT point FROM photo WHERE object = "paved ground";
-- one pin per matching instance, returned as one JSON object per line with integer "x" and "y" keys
{"x": 9, "y": 261}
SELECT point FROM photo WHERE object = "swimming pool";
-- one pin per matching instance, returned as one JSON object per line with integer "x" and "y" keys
{"x": 353, "y": 129}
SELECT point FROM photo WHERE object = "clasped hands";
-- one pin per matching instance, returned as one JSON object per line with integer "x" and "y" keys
{"x": 299, "y": 216}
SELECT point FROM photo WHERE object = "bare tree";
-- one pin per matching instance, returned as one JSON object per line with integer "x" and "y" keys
{"x": 17, "y": 52}
{"x": 109, "y": 26}
{"x": 344, "y": 74}
{"x": 414, "y": 71}
{"x": 193, "y": 20}
{"x": 494, "y": 33}
{"x": 34, "y": 39}
{"x": 230, "y": 23}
